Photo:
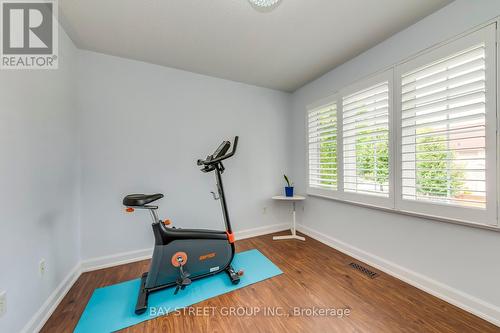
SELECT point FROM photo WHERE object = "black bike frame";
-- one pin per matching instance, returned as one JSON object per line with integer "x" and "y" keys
{"x": 222, "y": 198}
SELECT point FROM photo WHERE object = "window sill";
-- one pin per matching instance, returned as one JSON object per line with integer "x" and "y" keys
{"x": 408, "y": 213}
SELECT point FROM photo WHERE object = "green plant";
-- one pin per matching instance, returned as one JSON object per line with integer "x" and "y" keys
{"x": 288, "y": 181}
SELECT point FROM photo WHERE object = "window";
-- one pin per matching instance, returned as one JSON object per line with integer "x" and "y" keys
{"x": 447, "y": 128}
{"x": 349, "y": 150}
{"x": 434, "y": 153}
{"x": 322, "y": 143}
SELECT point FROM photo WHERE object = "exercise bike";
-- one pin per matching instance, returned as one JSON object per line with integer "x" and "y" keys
{"x": 183, "y": 255}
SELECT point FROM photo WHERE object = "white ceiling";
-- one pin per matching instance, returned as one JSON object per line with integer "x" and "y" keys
{"x": 282, "y": 49}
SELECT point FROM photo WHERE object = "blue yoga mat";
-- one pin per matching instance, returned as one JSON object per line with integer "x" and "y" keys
{"x": 112, "y": 308}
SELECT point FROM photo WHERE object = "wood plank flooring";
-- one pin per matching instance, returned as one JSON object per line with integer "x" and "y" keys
{"x": 315, "y": 275}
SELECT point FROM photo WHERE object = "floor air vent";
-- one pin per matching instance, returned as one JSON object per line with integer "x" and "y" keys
{"x": 364, "y": 270}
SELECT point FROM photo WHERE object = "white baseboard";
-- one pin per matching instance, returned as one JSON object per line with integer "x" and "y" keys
{"x": 49, "y": 306}
{"x": 43, "y": 314}
{"x": 254, "y": 232}
{"x": 115, "y": 260}
{"x": 453, "y": 296}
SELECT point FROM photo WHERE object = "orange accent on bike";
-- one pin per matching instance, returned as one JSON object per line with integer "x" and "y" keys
{"x": 167, "y": 222}
{"x": 207, "y": 256}
{"x": 129, "y": 210}
{"x": 240, "y": 272}
{"x": 179, "y": 259}
{"x": 230, "y": 237}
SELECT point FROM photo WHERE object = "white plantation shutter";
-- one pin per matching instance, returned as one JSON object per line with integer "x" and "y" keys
{"x": 322, "y": 145}
{"x": 365, "y": 134}
{"x": 443, "y": 130}
{"x": 447, "y": 146}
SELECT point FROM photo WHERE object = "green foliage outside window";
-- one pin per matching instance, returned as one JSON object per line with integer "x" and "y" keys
{"x": 372, "y": 158}
{"x": 328, "y": 156}
{"x": 437, "y": 173}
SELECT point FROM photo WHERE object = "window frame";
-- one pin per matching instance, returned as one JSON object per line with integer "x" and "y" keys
{"x": 387, "y": 75}
{"x": 487, "y": 216}
{"x": 489, "y": 33}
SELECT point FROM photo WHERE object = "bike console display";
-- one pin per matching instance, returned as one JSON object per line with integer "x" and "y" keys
{"x": 219, "y": 155}
{"x": 223, "y": 148}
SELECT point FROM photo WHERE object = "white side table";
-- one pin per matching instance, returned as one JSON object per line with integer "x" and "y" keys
{"x": 293, "y": 199}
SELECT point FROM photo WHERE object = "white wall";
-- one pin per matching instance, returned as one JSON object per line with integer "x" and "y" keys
{"x": 463, "y": 258}
{"x": 143, "y": 128}
{"x": 38, "y": 181}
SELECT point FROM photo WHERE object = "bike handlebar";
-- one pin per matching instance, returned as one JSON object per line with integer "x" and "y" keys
{"x": 219, "y": 159}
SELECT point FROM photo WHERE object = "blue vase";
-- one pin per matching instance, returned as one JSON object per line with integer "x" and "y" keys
{"x": 289, "y": 191}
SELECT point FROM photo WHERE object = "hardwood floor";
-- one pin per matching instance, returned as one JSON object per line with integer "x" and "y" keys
{"x": 315, "y": 275}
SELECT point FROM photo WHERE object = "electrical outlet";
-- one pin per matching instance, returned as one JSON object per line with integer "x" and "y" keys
{"x": 42, "y": 267}
{"x": 3, "y": 302}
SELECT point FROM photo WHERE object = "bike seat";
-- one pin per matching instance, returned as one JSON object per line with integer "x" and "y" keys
{"x": 138, "y": 200}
